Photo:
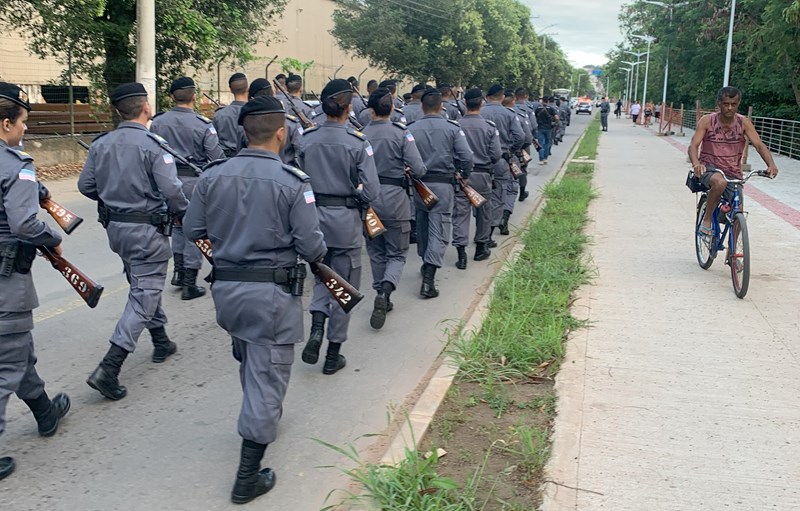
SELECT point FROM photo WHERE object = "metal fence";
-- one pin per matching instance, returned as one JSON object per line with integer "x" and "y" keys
{"x": 782, "y": 136}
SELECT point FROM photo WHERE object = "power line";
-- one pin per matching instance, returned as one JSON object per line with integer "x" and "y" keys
{"x": 427, "y": 13}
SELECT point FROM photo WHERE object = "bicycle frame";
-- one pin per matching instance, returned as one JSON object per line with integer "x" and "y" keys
{"x": 735, "y": 203}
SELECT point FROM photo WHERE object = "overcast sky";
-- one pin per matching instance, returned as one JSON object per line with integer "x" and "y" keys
{"x": 585, "y": 29}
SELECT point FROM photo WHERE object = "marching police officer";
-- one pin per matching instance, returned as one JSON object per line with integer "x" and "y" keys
{"x": 257, "y": 282}
{"x": 294, "y": 86}
{"x": 529, "y": 123}
{"x": 342, "y": 169}
{"x": 413, "y": 109}
{"x": 484, "y": 141}
{"x": 229, "y": 132}
{"x": 443, "y": 146}
{"x": 397, "y": 114}
{"x": 136, "y": 185}
{"x": 294, "y": 129}
{"x": 395, "y": 150}
{"x": 451, "y": 105}
{"x": 511, "y": 139}
{"x": 193, "y": 137}
{"x": 20, "y": 233}
{"x": 358, "y": 105}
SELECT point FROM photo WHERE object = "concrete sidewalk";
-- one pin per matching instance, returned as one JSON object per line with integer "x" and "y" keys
{"x": 679, "y": 396}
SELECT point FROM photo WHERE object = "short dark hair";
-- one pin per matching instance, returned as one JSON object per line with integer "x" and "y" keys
{"x": 260, "y": 129}
{"x": 239, "y": 86}
{"x": 9, "y": 110}
{"x": 521, "y": 92}
{"x": 474, "y": 103}
{"x": 131, "y": 108}
{"x": 279, "y": 76}
{"x": 334, "y": 106}
{"x": 184, "y": 95}
{"x": 728, "y": 91}
{"x": 294, "y": 86}
{"x": 432, "y": 103}
{"x": 372, "y": 83}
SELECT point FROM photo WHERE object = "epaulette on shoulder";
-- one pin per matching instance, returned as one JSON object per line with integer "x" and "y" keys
{"x": 511, "y": 110}
{"x": 98, "y": 137}
{"x": 292, "y": 118}
{"x": 398, "y": 110}
{"x": 455, "y": 123}
{"x": 306, "y": 131}
{"x": 302, "y": 176}
{"x": 357, "y": 134}
{"x": 203, "y": 118}
{"x": 219, "y": 108}
{"x": 491, "y": 123}
{"x": 400, "y": 125}
{"x": 157, "y": 138}
{"x": 22, "y": 155}
{"x": 159, "y": 114}
{"x": 213, "y": 163}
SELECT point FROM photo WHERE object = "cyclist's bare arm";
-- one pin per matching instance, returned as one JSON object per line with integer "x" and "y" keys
{"x": 694, "y": 146}
{"x": 752, "y": 135}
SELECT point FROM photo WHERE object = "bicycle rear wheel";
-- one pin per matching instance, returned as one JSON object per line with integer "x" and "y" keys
{"x": 739, "y": 255}
{"x": 704, "y": 246}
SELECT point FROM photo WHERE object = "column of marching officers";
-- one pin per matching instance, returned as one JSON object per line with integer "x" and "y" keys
{"x": 262, "y": 214}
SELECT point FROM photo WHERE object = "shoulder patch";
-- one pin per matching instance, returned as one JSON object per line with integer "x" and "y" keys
{"x": 400, "y": 125}
{"x": 453, "y": 122}
{"x": 357, "y": 134}
{"x": 299, "y": 174}
{"x": 491, "y": 123}
{"x": 22, "y": 155}
{"x": 203, "y": 118}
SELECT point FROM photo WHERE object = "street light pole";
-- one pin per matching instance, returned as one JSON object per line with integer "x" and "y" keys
{"x": 671, "y": 8}
{"x": 638, "y": 61}
{"x": 730, "y": 46}
{"x": 649, "y": 40}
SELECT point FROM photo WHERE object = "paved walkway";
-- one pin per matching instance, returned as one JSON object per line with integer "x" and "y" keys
{"x": 679, "y": 396}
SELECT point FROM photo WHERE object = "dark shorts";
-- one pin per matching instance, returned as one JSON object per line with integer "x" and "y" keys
{"x": 728, "y": 193}
{"x": 635, "y": 118}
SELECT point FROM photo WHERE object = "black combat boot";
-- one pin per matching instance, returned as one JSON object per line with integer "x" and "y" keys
{"x": 177, "y": 274}
{"x": 104, "y": 378}
{"x": 190, "y": 288}
{"x": 163, "y": 346}
{"x": 251, "y": 481}
{"x": 381, "y": 306}
{"x": 333, "y": 360}
{"x": 311, "y": 351}
{"x": 491, "y": 243}
{"x": 6, "y": 467}
{"x": 482, "y": 252}
{"x": 428, "y": 289}
{"x": 461, "y": 264}
{"x": 504, "y": 224}
{"x": 523, "y": 194}
{"x": 48, "y": 413}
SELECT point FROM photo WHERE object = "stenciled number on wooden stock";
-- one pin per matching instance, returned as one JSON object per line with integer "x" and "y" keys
{"x": 342, "y": 295}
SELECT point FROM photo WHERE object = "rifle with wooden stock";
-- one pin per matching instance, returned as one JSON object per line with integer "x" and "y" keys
{"x": 66, "y": 219}
{"x": 476, "y": 199}
{"x": 304, "y": 121}
{"x": 342, "y": 291}
{"x": 429, "y": 199}
{"x": 212, "y": 100}
{"x": 88, "y": 289}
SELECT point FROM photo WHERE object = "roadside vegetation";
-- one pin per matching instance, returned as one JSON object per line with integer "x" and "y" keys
{"x": 493, "y": 430}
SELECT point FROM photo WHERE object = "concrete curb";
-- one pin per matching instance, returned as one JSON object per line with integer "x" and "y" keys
{"x": 420, "y": 417}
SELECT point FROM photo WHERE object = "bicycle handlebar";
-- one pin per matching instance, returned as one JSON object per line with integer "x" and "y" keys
{"x": 760, "y": 173}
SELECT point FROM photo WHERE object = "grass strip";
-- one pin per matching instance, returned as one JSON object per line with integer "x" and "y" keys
{"x": 488, "y": 419}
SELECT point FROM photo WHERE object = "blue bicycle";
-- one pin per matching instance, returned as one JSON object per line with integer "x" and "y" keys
{"x": 729, "y": 222}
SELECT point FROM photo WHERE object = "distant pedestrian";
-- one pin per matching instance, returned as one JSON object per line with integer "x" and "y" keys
{"x": 636, "y": 108}
{"x": 618, "y": 111}
{"x": 605, "y": 108}
{"x": 648, "y": 113}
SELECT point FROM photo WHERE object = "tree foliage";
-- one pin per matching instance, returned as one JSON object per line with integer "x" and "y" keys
{"x": 765, "y": 61}
{"x": 99, "y": 36}
{"x": 468, "y": 42}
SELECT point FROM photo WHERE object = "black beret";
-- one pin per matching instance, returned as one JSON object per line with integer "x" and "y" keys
{"x": 445, "y": 86}
{"x": 389, "y": 84}
{"x": 14, "y": 94}
{"x": 430, "y": 92}
{"x": 376, "y": 96}
{"x": 406, "y": 96}
{"x": 418, "y": 87}
{"x": 294, "y": 78}
{"x": 508, "y": 93}
{"x": 127, "y": 90}
{"x": 260, "y": 106}
{"x": 546, "y": 98}
{"x": 494, "y": 90}
{"x": 257, "y": 86}
{"x": 184, "y": 82}
{"x": 473, "y": 94}
{"x": 335, "y": 87}
{"x": 353, "y": 79}
{"x": 279, "y": 76}
{"x": 236, "y": 76}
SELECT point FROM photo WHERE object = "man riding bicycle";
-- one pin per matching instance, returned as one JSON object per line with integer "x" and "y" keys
{"x": 723, "y": 136}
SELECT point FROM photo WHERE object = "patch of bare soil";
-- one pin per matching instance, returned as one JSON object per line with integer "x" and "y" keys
{"x": 483, "y": 431}
{"x": 60, "y": 171}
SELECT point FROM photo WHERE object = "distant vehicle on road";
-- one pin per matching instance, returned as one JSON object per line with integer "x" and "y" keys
{"x": 584, "y": 107}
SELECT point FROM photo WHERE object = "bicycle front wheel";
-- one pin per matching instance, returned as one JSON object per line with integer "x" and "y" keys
{"x": 704, "y": 246}
{"x": 739, "y": 255}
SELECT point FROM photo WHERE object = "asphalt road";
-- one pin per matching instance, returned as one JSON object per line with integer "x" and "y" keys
{"x": 172, "y": 442}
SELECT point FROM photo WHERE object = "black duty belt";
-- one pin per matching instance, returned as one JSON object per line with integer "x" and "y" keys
{"x": 185, "y": 170}
{"x": 394, "y": 181}
{"x": 348, "y": 201}
{"x": 137, "y": 218}
{"x": 277, "y": 275}
{"x": 447, "y": 179}
{"x": 485, "y": 170}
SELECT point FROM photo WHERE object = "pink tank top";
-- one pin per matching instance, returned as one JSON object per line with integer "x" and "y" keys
{"x": 723, "y": 147}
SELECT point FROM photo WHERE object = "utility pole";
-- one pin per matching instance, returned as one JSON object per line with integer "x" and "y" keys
{"x": 725, "y": 81}
{"x": 146, "y": 48}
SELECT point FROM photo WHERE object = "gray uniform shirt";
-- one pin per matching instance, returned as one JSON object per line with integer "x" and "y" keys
{"x": 294, "y": 130}
{"x": 394, "y": 148}
{"x": 397, "y": 116}
{"x": 131, "y": 173}
{"x": 512, "y": 135}
{"x": 413, "y": 112}
{"x": 451, "y": 109}
{"x": 18, "y": 222}
{"x": 192, "y": 136}
{"x": 483, "y": 139}
{"x": 299, "y": 104}
{"x": 339, "y": 159}
{"x": 226, "y": 122}
{"x": 357, "y": 105}
{"x": 443, "y": 146}
{"x": 526, "y": 125}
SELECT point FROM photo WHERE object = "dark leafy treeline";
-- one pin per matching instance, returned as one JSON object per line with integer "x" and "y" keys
{"x": 765, "y": 61}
